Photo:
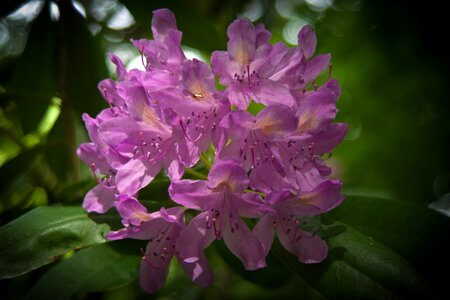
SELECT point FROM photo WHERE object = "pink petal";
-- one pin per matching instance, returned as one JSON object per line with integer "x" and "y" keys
{"x": 244, "y": 244}
{"x": 309, "y": 248}
{"x": 276, "y": 120}
{"x": 99, "y": 199}
{"x": 250, "y": 205}
{"x": 89, "y": 153}
{"x": 307, "y": 40}
{"x": 315, "y": 66}
{"x": 175, "y": 170}
{"x": 148, "y": 230}
{"x": 266, "y": 178}
{"x": 152, "y": 279}
{"x": 220, "y": 64}
{"x": 120, "y": 68}
{"x": 193, "y": 194}
{"x": 162, "y": 22}
{"x": 325, "y": 141}
{"x": 108, "y": 89}
{"x": 134, "y": 175}
{"x": 242, "y": 40}
{"x": 199, "y": 271}
{"x": 270, "y": 92}
{"x": 262, "y": 35}
{"x": 318, "y": 110}
{"x": 194, "y": 238}
{"x": 323, "y": 198}
{"x": 264, "y": 231}
{"x": 227, "y": 175}
{"x": 132, "y": 212}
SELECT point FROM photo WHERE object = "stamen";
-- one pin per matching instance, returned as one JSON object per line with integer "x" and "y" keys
{"x": 296, "y": 222}
{"x": 142, "y": 58}
{"x": 105, "y": 92}
{"x": 142, "y": 143}
{"x": 330, "y": 69}
{"x": 100, "y": 181}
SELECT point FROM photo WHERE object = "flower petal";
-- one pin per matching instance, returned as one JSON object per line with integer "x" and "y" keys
{"x": 323, "y": 198}
{"x": 163, "y": 21}
{"x": 262, "y": 35}
{"x": 266, "y": 178}
{"x": 198, "y": 271}
{"x": 250, "y": 205}
{"x": 193, "y": 194}
{"x": 270, "y": 92}
{"x": 108, "y": 88}
{"x": 325, "y": 141}
{"x": 151, "y": 278}
{"x": 276, "y": 120}
{"x": 135, "y": 175}
{"x": 228, "y": 175}
{"x": 309, "y": 247}
{"x": 175, "y": 170}
{"x": 318, "y": 110}
{"x": 242, "y": 40}
{"x": 244, "y": 244}
{"x": 238, "y": 119}
{"x": 307, "y": 40}
{"x": 221, "y": 66}
{"x": 194, "y": 238}
{"x": 89, "y": 153}
{"x": 264, "y": 231}
{"x": 132, "y": 211}
{"x": 120, "y": 68}
{"x": 99, "y": 199}
{"x": 315, "y": 66}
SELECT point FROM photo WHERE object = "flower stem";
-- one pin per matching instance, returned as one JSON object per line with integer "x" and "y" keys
{"x": 205, "y": 161}
{"x": 196, "y": 174}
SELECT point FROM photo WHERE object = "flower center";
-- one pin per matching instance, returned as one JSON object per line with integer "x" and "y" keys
{"x": 247, "y": 78}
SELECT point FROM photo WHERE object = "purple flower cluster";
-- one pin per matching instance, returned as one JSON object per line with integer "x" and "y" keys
{"x": 269, "y": 167}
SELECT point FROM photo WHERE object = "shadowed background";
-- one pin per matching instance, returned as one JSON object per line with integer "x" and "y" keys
{"x": 394, "y": 71}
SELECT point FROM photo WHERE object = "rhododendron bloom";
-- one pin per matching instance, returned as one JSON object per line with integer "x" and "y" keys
{"x": 223, "y": 202}
{"x": 234, "y": 176}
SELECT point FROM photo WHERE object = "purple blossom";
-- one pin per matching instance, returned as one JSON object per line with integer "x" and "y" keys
{"x": 197, "y": 103}
{"x": 164, "y": 52}
{"x": 161, "y": 229}
{"x": 223, "y": 202}
{"x": 307, "y": 246}
{"x": 246, "y": 69}
{"x": 270, "y": 167}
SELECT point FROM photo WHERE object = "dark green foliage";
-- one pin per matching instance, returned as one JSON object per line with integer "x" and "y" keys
{"x": 97, "y": 268}
{"x": 42, "y": 235}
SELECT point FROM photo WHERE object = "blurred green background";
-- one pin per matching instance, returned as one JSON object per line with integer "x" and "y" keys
{"x": 389, "y": 57}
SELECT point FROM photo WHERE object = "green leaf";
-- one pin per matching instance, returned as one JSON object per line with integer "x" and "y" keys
{"x": 42, "y": 235}
{"x": 376, "y": 250}
{"x": 357, "y": 267}
{"x": 417, "y": 233}
{"x": 97, "y": 268}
